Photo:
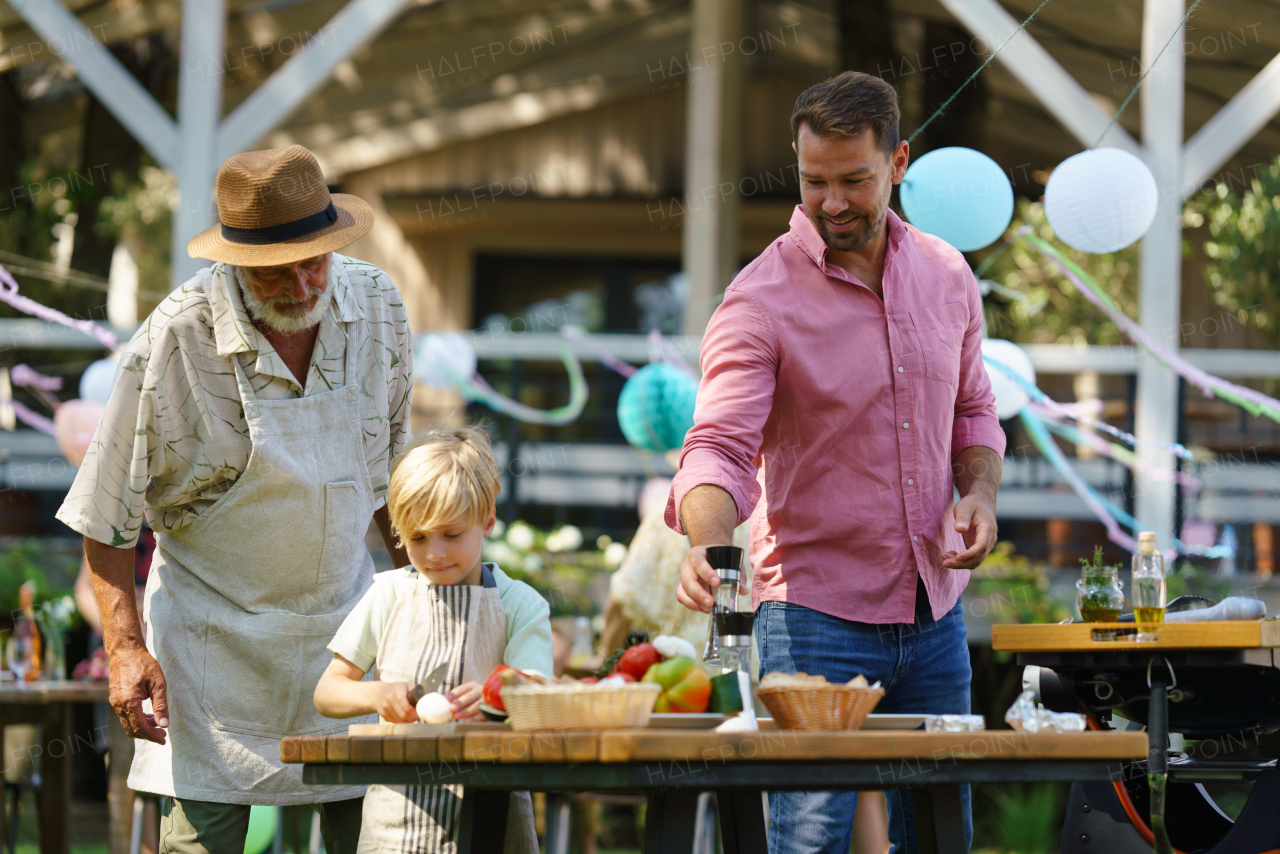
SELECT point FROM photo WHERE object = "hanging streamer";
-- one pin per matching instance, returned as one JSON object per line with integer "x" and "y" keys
{"x": 1112, "y": 450}
{"x": 34, "y": 420}
{"x": 9, "y": 294}
{"x": 1049, "y": 403}
{"x": 28, "y": 378}
{"x": 1253, "y": 402}
{"x": 1108, "y": 513}
{"x": 606, "y": 358}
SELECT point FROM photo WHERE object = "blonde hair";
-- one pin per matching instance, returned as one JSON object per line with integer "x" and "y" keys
{"x": 443, "y": 475}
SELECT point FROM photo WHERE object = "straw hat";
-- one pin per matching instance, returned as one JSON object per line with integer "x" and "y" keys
{"x": 274, "y": 208}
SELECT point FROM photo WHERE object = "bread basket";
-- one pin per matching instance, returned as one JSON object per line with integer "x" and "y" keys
{"x": 819, "y": 706}
{"x": 591, "y": 706}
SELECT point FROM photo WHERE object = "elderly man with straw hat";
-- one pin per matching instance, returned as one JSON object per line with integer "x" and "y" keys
{"x": 253, "y": 423}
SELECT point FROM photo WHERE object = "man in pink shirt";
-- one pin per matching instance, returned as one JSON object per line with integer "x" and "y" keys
{"x": 843, "y": 397}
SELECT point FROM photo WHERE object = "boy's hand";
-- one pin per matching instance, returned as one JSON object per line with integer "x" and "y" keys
{"x": 466, "y": 702}
{"x": 393, "y": 703}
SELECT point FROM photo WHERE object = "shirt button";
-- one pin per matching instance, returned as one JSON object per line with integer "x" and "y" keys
{"x": 906, "y": 425}
{"x": 914, "y": 538}
{"x": 911, "y": 481}
{"x": 901, "y": 369}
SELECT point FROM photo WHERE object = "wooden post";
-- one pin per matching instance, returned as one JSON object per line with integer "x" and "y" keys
{"x": 119, "y": 798}
{"x": 713, "y": 155}
{"x": 1160, "y": 273}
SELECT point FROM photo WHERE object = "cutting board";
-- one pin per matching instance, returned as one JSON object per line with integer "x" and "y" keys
{"x": 419, "y": 728}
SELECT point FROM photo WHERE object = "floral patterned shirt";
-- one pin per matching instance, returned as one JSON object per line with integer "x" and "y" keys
{"x": 174, "y": 438}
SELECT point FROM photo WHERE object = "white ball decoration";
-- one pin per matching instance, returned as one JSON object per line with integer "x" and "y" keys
{"x": 1010, "y": 397}
{"x": 435, "y": 708}
{"x": 1101, "y": 200}
{"x": 98, "y": 380}
{"x": 440, "y": 358}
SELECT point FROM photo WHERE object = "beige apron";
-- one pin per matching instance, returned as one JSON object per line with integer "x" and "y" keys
{"x": 465, "y": 626}
{"x": 242, "y": 605}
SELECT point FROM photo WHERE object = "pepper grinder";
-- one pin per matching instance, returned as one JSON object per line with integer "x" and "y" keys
{"x": 727, "y": 562}
{"x": 734, "y": 631}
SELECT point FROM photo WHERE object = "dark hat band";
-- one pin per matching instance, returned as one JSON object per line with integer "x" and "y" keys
{"x": 283, "y": 231}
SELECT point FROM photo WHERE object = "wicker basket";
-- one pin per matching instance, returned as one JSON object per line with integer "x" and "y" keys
{"x": 592, "y": 706}
{"x": 819, "y": 707}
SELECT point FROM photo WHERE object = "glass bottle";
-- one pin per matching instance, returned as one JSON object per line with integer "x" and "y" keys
{"x": 1148, "y": 585}
{"x": 25, "y": 663}
{"x": 1100, "y": 596}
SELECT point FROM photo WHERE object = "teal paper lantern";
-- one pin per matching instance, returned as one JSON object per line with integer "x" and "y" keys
{"x": 960, "y": 195}
{"x": 655, "y": 408}
{"x": 262, "y": 828}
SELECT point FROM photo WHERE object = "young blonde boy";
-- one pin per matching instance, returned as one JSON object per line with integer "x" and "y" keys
{"x": 447, "y": 608}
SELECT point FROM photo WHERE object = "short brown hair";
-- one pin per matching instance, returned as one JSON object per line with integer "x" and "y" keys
{"x": 846, "y": 105}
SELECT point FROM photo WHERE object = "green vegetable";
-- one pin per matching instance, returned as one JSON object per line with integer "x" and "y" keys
{"x": 725, "y": 697}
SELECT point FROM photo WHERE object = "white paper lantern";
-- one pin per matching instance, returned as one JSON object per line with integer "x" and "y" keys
{"x": 98, "y": 380}
{"x": 440, "y": 358}
{"x": 1010, "y": 397}
{"x": 1101, "y": 200}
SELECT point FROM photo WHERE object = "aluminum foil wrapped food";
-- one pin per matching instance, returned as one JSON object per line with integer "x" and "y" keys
{"x": 955, "y": 723}
{"x": 1026, "y": 715}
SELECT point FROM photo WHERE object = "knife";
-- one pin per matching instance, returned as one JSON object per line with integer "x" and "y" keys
{"x": 433, "y": 681}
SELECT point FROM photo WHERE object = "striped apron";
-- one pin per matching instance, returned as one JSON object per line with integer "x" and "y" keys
{"x": 465, "y": 626}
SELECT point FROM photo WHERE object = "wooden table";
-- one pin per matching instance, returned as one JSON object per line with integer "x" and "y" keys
{"x": 50, "y": 705}
{"x": 1200, "y": 666}
{"x": 672, "y": 766}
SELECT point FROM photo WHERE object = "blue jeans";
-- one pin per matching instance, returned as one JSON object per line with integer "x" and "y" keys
{"x": 924, "y": 668}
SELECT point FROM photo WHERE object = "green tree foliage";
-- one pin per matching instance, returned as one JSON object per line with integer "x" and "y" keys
{"x": 1053, "y": 312}
{"x": 1243, "y": 271}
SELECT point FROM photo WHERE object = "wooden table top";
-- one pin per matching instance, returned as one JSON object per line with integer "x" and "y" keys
{"x": 44, "y": 693}
{"x": 650, "y": 745}
{"x": 1085, "y": 637}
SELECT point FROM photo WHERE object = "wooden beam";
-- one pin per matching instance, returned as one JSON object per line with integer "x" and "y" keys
{"x": 102, "y": 75}
{"x": 1234, "y": 125}
{"x": 1160, "y": 270}
{"x": 1040, "y": 73}
{"x": 199, "y": 109}
{"x": 713, "y": 156}
{"x": 357, "y": 23}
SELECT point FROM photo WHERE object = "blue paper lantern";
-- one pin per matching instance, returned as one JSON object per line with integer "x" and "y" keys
{"x": 655, "y": 408}
{"x": 960, "y": 195}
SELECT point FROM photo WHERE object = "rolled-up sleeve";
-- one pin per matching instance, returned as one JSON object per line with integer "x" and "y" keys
{"x": 975, "y": 421}
{"x": 107, "y": 500}
{"x": 739, "y": 373}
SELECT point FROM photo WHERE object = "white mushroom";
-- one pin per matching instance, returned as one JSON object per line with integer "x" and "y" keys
{"x": 435, "y": 708}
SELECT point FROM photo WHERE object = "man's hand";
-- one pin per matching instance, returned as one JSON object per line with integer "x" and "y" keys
{"x": 976, "y": 521}
{"x": 392, "y": 702}
{"x": 698, "y": 581}
{"x": 466, "y": 702}
{"x": 709, "y": 515}
{"x": 136, "y": 676}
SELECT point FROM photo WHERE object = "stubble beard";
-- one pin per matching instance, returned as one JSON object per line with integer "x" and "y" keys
{"x": 855, "y": 239}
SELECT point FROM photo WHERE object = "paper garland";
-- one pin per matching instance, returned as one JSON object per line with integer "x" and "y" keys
{"x": 1044, "y": 400}
{"x": 1108, "y": 513}
{"x": 1253, "y": 402}
{"x": 9, "y": 294}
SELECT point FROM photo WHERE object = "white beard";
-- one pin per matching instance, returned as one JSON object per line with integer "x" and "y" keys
{"x": 282, "y": 322}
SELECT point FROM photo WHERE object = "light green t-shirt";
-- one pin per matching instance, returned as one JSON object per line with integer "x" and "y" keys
{"x": 528, "y": 622}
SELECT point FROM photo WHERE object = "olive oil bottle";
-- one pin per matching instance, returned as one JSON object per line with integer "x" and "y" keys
{"x": 1148, "y": 587}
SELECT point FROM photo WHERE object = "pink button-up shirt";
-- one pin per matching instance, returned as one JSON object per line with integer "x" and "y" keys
{"x": 833, "y": 417}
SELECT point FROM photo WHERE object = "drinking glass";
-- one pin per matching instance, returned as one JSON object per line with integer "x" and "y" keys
{"x": 18, "y": 653}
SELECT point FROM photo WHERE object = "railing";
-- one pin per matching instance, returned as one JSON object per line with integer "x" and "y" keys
{"x": 585, "y": 471}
